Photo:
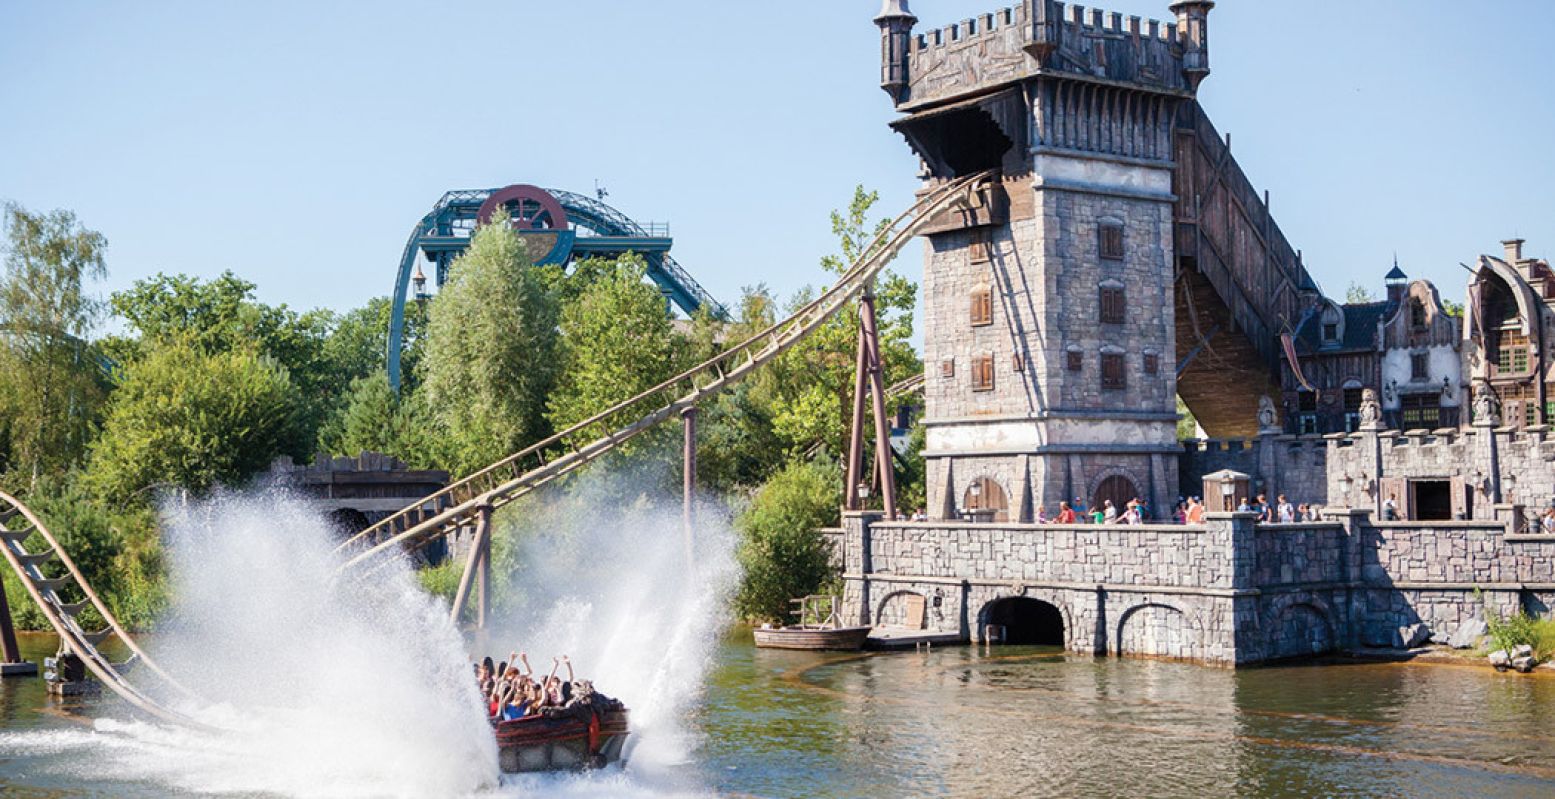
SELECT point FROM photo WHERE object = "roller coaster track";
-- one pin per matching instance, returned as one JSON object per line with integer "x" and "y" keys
{"x": 460, "y": 505}
{"x": 49, "y": 594}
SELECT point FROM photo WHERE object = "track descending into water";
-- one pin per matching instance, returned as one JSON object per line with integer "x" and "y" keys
{"x": 460, "y": 504}
{"x": 64, "y": 614}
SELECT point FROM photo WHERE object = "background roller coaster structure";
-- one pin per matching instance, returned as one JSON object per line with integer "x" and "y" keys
{"x": 467, "y": 505}
{"x": 556, "y": 225}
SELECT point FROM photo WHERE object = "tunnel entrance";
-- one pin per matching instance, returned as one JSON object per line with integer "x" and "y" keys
{"x": 1022, "y": 620}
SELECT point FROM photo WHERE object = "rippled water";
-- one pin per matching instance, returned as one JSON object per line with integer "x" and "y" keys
{"x": 966, "y": 722}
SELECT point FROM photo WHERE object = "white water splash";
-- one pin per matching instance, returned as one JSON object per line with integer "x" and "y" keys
{"x": 365, "y": 690}
{"x": 613, "y": 590}
{"x": 318, "y": 689}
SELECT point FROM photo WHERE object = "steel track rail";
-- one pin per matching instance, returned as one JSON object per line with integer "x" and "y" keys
{"x": 452, "y": 508}
{"x": 62, "y": 614}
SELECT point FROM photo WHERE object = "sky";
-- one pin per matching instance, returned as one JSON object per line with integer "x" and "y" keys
{"x": 297, "y": 143}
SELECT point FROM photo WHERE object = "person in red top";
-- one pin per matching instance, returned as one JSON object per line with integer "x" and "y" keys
{"x": 1065, "y": 514}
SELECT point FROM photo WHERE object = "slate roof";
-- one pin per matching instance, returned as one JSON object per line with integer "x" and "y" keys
{"x": 1360, "y": 328}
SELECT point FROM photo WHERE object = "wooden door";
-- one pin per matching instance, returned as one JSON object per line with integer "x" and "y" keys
{"x": 1462, "y": 499}
{"x": 1396, "y": 488}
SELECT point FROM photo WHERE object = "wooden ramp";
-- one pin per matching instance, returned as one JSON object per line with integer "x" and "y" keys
{"x": 63, "y": 597}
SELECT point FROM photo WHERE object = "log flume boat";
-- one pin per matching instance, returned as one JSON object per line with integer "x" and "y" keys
{"x": 574, "y": 741}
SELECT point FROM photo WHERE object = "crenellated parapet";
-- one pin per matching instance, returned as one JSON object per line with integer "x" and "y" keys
{"x": 1041, "y": 38}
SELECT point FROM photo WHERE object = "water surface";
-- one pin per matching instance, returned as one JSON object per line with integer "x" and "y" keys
{"x": 1014, "y": 721}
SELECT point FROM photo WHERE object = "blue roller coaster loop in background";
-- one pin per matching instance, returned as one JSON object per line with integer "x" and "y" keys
{"x": 572, "y": 225}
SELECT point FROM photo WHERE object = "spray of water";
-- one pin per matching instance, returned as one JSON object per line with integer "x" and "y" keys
{"x": 328, "y": 688}
{"x": 636, "y": 607}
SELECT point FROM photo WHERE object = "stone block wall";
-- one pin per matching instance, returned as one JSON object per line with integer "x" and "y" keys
{"x": 1228, "y": 592}
{"x": 1296, "y": 466}
{"x": 1522, "y": 459}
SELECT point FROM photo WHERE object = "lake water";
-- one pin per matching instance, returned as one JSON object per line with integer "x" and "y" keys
{"x": 955, "y": 722}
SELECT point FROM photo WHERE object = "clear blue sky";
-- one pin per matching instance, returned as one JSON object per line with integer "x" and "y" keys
{"x": 296, "y": 143}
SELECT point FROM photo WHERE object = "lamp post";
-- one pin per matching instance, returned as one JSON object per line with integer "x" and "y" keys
{"x": 1227, "y": 494}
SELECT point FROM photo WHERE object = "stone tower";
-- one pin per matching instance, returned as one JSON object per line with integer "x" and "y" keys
{"x": 1049, "y": 311}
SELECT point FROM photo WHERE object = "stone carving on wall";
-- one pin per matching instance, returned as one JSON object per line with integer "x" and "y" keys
{"x": 1487, "y": 408}
{"x": 1371, "y": 410}
{"x": 1268, "y": 419}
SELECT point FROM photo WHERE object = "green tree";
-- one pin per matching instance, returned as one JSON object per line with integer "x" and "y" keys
{"x": 1357, "y": 294}
{"x": 185, "y": 417}
{"x": 357, "y": 344}
{"x": 490, "y": 354}
{"x": 781, "y": 549}
{"x": 222, "y": 315}
{"x": 812, "y": 387}
{"x": 616, "y": 342}
{"x": 737, "y": 446}
{"x": 1187, "y": 424}
{"x": 373, "y": 417}
{"x": 51, "y": 385}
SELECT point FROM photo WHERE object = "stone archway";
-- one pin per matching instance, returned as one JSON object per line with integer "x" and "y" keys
{"x": 1301, "y": 629}
{"x": 1117, "y": 487}
{"x": 1158, "y": 630}
{"x": 985, "y": 494}
{"x": 1023, "y": 620}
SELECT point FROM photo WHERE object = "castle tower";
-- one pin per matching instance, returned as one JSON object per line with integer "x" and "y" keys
{"x": 895, "y": 21}
{"x": 1049, "y": 311}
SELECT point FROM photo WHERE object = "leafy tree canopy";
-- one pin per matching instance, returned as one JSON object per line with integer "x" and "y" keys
{"x": 781, "y": 550}
{"x": 190, "y": 418}
{"x": 51, "y": 382}
{"x": 490, "y": 355}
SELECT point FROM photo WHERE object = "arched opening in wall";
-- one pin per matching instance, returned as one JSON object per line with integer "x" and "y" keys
{"x": 1022, "y": 620}
{"x": 1117, "y": 488}
{"x": 346, "y": 522}
{"x": 985, "y": 500}
{"x": 1301, "y": 630}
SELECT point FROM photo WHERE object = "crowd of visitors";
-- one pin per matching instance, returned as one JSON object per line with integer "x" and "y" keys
{"x": 1189, "y": 510}
{"x": 513, "y": 694}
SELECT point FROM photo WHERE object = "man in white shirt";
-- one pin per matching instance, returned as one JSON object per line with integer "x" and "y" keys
{"x": 1287, "y": 513}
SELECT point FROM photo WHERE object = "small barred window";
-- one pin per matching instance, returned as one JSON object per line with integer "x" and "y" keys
{"x": 1075, "y": 361}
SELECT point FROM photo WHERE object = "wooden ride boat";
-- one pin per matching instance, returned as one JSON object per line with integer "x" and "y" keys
{"x": 569, "y": 742}
{"x": 819, "y": 628}
{"x": 799, "y": 636}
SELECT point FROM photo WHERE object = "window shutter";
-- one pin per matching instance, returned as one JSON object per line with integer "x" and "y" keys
{"x": 1112, "y": 370}
{"x": 1111, "y": 244}
{"x": 1111, "y": 301}
{"x": 982, "y": 306}
{"x": 982, "y": 373}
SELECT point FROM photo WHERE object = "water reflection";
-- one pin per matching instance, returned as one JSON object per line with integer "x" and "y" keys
{"x": 1029, "y": 721}
{"x": 1016, "y": 721}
